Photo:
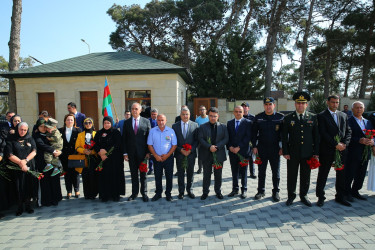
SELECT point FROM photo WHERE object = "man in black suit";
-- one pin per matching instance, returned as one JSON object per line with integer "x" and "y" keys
{"x": 5, "y": 126}
{"x": 356, "y": 166}
{"x": 80, "y": 117}
{"x": 239, "y": 132}
{"x": 331, "y": 123}
{"x": 212, "y": 136}
{"x": 135, "y": 149}
{"x": 247, "y": 115}
{"x": 300, "y": 139}
{"x": 186, "y": 133}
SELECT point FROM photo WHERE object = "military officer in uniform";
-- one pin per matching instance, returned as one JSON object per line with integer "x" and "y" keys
{"x": 300, "y": 142}
{"x": 266, "y": 143}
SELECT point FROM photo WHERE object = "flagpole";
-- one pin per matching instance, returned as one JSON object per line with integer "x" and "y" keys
{"x": 113, "y": 103}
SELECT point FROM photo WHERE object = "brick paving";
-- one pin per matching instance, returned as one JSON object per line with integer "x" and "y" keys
{"x": 231, "y": 223}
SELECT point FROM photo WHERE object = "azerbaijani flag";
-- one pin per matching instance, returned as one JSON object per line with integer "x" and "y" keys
{"x": 107, "y": 100}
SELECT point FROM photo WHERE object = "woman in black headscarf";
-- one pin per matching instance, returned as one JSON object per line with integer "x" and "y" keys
{"x": 89, "y": 176}
{"x": 21, "y": 150}
{"x": 50, "y": 187}
{"x": 111, "y": 178}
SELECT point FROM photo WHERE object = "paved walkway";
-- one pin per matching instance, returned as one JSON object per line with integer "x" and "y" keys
{"x": 231, "y": 223}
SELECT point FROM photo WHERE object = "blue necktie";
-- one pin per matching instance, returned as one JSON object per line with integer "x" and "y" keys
{"x": 237, "y": 124}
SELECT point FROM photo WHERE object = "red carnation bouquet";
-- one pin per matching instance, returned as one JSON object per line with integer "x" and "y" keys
{"x": 257, "y": 161}
{"x": 243, "y": 162}
{"x": 313, "y": 163}
{"x": 89, "y": 147}
{"x": 99, "y": 168}
{"x": 186, "y": 147}
{"x": 369, "y": 134}
{"x": 337, "y": 164}
{"x": 215, "y": 164}
{"x": 143, "y": 166}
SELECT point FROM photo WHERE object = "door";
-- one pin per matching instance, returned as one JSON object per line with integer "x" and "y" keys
{"x": 89, "y": 106}
{"x": 46, "y": 101}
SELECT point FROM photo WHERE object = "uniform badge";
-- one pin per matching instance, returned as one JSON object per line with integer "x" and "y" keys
{"x": 292, "y": 123}
{"x": 168, "y": 138}
{"x": 277, "y": 127}
{"x": 104, "y": 134}
{"x": 28, "y": 144}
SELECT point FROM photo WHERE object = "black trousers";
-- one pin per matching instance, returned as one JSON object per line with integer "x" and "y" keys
{"x": 189, "y": 174}
{"x": 355, "y": 173}
{"x": 324, "y": 169}
{"x": 137, "y": 176}
{"x": 275, "y": 167}
{"x": 90, "y": 181}
{"x": 238, "y": 172}
{"x": 293, "y": 165}
{"x": 71, "y": 180}
{"x": 207, "y": 172}
{"x": 251, "y": 165}
{"x": 167, "y": 165}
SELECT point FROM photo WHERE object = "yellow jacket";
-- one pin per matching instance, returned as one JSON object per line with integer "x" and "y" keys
{"x": 80, "y": 144}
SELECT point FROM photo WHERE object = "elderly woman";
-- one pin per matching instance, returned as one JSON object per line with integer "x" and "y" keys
{"x": 69, "y": 134}
{"x": 21, "y": 150}
{"x": 111, "y": 178}
{"x": 83, "y": 146}
{"x": 49, "y": 185}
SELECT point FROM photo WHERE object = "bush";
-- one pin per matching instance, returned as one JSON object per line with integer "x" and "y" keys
{"x": 318, "y": 103}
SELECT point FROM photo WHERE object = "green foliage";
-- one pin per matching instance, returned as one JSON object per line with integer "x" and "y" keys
{"x": 318, "y": 103}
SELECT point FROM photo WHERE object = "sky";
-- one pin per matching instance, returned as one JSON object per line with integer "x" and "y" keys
{"x": 52, "y": 30}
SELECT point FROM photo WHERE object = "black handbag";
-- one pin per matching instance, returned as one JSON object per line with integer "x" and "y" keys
{"x": 77, "y": 161}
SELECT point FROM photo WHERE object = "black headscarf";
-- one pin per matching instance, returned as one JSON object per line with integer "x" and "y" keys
{"x": 110, "y": 119}
{"x": 17, "y": 136}
{"x": 11, "y": 120}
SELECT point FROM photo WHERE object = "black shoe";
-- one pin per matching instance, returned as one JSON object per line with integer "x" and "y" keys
{"x": 306, "y": 201}
{"x": 156, "y": 197}
{"x": 243, "y": 195}
{"x": 253, "y": 176}
{"x": 176, "y": 174}
{"x": 199, "y": 171}
{"x": 145, "y": 198}
{"x": 343, "y": 202}
{"x": 181, "y": 196}
{"x": 220, "y": 196}
{"x": 349, "y": 198}
{"x": 359, "y": 197}
{"x": 276, "y": 197}
{"x": 320, "y": 202}
{"x": 28, "y": 209}
{"x": 132, "y": 197}
{"x": 19, "y": 211}
{"x": 204, "y": 196}
{"x": 169, "y": 198}
{"x": 289, "y": 201}
{"x": 191, "y": 195}
{"x": 233, "y": 193}
{"x": 150, "y": 172}
{"x": 259, "y": 195}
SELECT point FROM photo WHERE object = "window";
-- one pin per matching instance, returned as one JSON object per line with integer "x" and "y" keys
{"x": 141, "y": 96}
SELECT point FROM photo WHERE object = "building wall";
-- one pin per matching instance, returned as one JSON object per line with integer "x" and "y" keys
{"x": 167, "y": 93}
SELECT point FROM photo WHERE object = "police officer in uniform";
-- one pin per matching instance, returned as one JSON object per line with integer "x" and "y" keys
{"x": 300, "y": 142}
{"x": 267, "y": 144}
{"x": 250, "y": 117}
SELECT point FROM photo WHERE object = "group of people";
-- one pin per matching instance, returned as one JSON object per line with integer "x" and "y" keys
{"x": 151, "y": 147}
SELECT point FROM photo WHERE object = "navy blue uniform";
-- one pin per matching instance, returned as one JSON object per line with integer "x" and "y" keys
{"x": 251, "y": 164}
{"x": 267, "y": 139}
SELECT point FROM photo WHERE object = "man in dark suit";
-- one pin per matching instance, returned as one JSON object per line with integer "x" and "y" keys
{"x": 247, "y": 115}
{"x": 72, "y": 109}
{"x": 134, "y": 136}
{"x": 186, "y": 133}
{"x": 212, "y": 136}
{"x": 266, "y": 141}
{"x": 331, "y": 123}
{"x": 239, "y": 132}
{"x": 356, "y": 166}
{"x": 300, "y": 142}
{"x": 5, "y": 126}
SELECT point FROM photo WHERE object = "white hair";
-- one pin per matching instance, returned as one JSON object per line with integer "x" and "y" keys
{"x": 358, "y": 102}
{"x": 23, "y": 124}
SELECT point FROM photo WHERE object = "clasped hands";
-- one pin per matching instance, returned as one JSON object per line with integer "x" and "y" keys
{"x": 161, "y": 158}
{"x": 234, "y": 150}
{"x": 341, "y": 146}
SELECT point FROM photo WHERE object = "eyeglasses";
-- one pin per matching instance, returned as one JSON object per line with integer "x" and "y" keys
{"x": 87, "y": 123}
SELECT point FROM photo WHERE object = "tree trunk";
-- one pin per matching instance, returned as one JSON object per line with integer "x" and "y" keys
{"x": 327, "y": 73}
{"x": 348, "y": 74}
{"x": 274, "y": 28}
{"x": 14, "y": 51}
{"x": 367, "y": 64}
{"x": 304, "y": 48}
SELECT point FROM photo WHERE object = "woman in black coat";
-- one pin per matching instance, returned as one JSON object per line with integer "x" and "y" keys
{"x": 69, "y": 134}
{"x": 111, "y": 178}
{"x": 49, "y": 185}
{"x": 21, "y": 150}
